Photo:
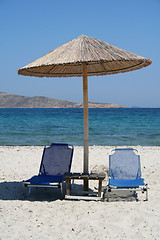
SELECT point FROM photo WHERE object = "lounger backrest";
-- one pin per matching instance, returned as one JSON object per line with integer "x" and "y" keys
{"x": 124, "y": 164}
{"x": 56, "y": 159}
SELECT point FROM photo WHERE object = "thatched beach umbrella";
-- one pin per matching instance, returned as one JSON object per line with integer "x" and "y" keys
{"x": 84, "y": 56}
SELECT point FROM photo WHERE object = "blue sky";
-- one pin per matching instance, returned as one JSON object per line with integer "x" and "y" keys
{"x": 30, "y": 29}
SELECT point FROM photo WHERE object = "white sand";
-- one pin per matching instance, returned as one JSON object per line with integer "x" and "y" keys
{"x": 42, "y": 216}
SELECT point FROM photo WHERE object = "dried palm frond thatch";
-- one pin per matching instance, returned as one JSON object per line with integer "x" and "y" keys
{"x": 101, "y": 59}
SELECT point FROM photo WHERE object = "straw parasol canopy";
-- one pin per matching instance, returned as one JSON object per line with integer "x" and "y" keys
{"x": 84, "y": 56}
{"x": 101, "y": 59}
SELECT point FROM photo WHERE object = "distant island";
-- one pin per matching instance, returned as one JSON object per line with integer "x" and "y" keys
{"x": 16, "y": 101}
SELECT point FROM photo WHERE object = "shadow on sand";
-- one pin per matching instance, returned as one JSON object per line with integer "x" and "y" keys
{"x": 15, "y": 191}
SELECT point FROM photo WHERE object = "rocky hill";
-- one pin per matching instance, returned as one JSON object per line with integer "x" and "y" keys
{"x": 16, "y": 101}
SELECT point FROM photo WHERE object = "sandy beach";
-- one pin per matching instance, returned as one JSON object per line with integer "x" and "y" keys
{"x": 43, "y": 215}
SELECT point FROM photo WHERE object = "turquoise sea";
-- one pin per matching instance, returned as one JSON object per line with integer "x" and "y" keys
{"x": 129, "y": 126}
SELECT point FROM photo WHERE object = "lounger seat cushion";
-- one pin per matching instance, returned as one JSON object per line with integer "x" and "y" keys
{"x": 119, "y": 183}
{"x": 44, "y": 180}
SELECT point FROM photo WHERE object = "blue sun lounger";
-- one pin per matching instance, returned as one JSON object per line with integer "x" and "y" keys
{"x": 56, "y": 161}
{"x": 125, "y": 171}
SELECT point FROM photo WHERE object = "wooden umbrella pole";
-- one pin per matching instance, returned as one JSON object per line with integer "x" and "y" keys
{"x": 85, "y": 123}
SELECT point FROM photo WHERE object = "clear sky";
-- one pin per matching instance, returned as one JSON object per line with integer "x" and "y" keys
{"x": 30, "y": 29}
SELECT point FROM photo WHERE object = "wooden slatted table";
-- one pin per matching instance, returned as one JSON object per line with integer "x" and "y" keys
{"x": 81, "y": 176}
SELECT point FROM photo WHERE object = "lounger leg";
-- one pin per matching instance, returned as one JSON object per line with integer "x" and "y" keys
{"x": 61, "y": 185}
{"x": 104, "y": 192}
{"x": 72, "y": 182}
{"x": 146, "y": 192}
{"x": 27, "y": 190}
{"x": 135, "y": 195}
{"x": 107, "y": 194}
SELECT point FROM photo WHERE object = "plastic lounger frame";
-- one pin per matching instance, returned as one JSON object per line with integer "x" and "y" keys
{"x": 28, "y": 186}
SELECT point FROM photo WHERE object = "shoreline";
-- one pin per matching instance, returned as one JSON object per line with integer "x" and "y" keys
{"x": 112, "y": 146}
{"x": 47, "y": 215}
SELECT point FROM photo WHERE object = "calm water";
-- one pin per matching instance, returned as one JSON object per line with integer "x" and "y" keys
{"x": 106, "y": 126}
